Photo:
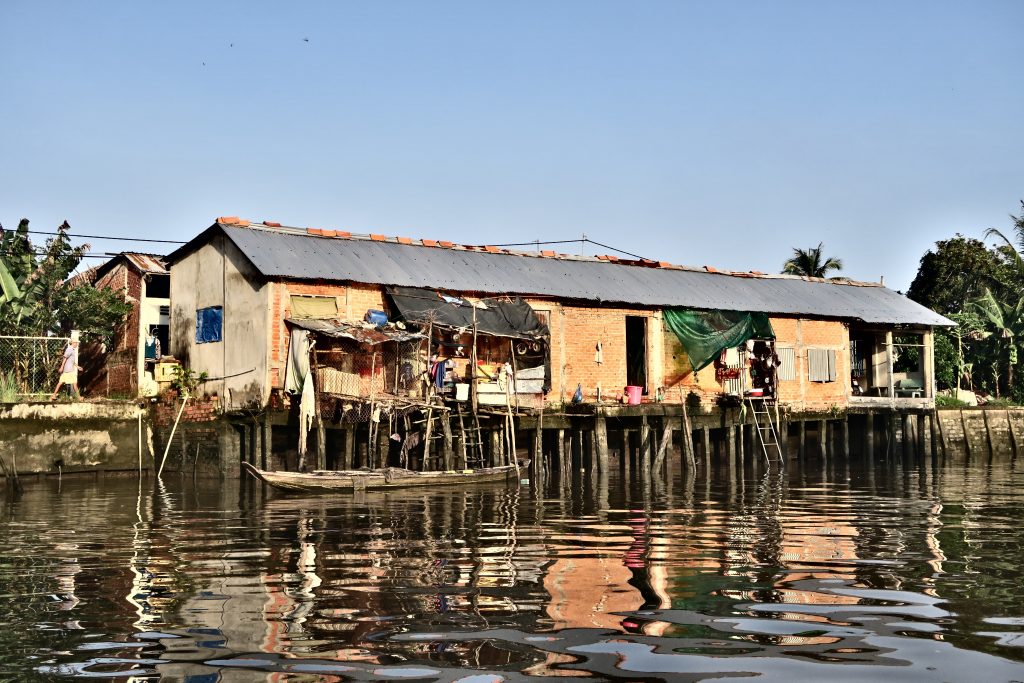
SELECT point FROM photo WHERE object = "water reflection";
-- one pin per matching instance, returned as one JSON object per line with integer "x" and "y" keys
{"x": 886, "y": 572}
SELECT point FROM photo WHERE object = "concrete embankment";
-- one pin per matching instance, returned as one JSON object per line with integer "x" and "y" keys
{"x": 74, "y": 437}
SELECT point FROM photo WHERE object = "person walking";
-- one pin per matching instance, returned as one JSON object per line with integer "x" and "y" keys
{"x": 69, "y": 368}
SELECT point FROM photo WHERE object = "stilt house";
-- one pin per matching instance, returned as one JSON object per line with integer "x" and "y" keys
{"x": 572, "y": 329}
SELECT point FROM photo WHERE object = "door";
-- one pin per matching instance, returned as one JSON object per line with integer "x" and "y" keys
{"x": 636, "y": 351}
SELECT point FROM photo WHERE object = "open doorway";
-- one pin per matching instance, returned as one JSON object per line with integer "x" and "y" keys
{"x": 636, "y": 351}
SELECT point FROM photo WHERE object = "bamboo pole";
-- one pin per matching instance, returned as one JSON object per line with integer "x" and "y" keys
{"x": 688, "y": 450}
{"x": 170, "y": 439}
{"x": 426, "y": 438}
{"x": 140, "y": 443}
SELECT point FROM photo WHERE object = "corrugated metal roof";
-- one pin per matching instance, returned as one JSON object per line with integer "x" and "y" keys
{"x": 299, "y": 255}
{"x": 146, "y": 263}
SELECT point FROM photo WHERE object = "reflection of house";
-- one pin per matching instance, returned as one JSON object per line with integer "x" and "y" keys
{"x": 146, "y": 285}
{"x": 611, "y": 323}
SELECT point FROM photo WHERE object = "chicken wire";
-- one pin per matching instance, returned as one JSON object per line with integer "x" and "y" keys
{"x": 30, "y": 365}
{"x": 364, "y": 372}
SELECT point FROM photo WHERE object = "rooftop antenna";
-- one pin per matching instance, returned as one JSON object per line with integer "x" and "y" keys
{"x": 583, "y": 244}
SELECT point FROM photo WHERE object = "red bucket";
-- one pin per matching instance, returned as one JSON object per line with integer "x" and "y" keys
{"x": 633, "y": 395}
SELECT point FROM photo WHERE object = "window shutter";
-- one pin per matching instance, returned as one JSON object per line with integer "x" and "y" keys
{"x": 787, "y": 364}
{"x": 821, "y": 365}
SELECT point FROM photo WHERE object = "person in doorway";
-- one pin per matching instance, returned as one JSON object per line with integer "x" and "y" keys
{"x": 68, "y": 370}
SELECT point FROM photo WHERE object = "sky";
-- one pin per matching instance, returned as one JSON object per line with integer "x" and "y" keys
{"x": 718, "y": 133}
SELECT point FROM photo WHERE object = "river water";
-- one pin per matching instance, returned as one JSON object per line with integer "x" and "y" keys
{"x": 857, "y": 573}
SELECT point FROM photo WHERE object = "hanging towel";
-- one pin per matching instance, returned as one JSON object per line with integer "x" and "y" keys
{"x": 307, "y": 408}
{"x": 298, "y": 361}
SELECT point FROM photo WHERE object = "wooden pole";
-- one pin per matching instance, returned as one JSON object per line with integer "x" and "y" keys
{"x": 601, "y": 442}
{"x": 645, "y": 447}
{"x": 170, "y": 439}
{"x": 473, "y": 373}
{"x": 664, "y": 445}
{"x": 705, "y": 436}
{"x": 426, "y": 438}
{"x": 140, "y": 443}
{"x": 688, "y": 450}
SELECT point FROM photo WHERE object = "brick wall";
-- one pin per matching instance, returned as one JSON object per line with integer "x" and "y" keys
{"x": 575, "y": 332}
{"x": 353, "y": 302}
{"x": 114, "y": 371}
{"x": 166, "y": 408}
{"x": 802, "y": 335}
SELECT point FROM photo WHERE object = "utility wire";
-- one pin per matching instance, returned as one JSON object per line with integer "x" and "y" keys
{"x": 579, "y": 241}
{"x": 102, "y": 237}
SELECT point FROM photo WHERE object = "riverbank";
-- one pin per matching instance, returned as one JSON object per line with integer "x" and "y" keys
{"x": 124, "y": 436}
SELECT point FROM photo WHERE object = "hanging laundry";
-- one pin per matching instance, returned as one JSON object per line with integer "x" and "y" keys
{"x": 599, "y": 353}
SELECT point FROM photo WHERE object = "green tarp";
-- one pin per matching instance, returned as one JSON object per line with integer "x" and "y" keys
{"x": 705, "y": 334}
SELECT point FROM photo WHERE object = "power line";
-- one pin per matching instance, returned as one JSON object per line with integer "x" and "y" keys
{"x": 579, "y": 241}
{"x": 103, "y": 237}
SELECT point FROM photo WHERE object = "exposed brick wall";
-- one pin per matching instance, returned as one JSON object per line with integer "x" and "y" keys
{"x": 166, "y": 408}
{"x": 353, "y": 302}
{"x": 575, "y": 332}
{"x": 802, "y": 335}
{"x": 114, "y": 371}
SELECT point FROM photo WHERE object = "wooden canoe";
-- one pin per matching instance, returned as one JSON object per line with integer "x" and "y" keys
{"x": 322, "y": 481}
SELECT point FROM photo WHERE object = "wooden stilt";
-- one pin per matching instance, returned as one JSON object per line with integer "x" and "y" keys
{"x": 645, "y": 447}
{"x": 446, "y": 428}
{"x": 664, "y": 446}
{"x": 601, "y": 443}
{"x": 688, "y": 451}
{"x": 823, "y": 440}
{"x": 802, "y": 436}
{"x": 705, "y": 437}
{"x": 844, "y": 426}
{"x": 869, "y": 436}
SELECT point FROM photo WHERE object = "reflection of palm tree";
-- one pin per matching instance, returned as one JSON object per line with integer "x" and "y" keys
{"x": 809, "y": 262}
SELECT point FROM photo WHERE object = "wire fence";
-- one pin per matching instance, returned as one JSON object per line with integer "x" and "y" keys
{"x": 394, "y": 369}
{"x": 29, "y": 366}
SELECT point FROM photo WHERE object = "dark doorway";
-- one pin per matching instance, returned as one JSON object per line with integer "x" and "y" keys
{"x": 636, "y": 351}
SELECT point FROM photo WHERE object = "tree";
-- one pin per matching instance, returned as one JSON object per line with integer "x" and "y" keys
{"x": 810, "y": 262}
{"x": 36, "y": 297}
{"x": 958, "y": 270}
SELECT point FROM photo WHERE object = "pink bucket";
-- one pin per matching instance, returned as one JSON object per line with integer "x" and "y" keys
{"x": 633, "y": 395}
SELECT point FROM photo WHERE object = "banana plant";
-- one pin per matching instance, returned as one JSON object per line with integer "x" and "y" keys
{"x": 1005, "y": 320}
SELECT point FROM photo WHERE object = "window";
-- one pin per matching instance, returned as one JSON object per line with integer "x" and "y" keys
{"x": 313, "y": 307}
{"x": 208, "y": 324}
{"x": 821, "y": 365}
{"x": 787, "y": 364}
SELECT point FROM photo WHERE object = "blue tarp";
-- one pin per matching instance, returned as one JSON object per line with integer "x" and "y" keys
{"x": 208, "y": 324}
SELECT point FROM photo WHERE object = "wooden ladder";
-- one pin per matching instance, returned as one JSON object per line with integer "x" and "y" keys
{"x": 767, "y": 434}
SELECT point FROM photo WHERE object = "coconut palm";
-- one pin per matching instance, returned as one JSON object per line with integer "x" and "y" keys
{"x": 810, "y": 262}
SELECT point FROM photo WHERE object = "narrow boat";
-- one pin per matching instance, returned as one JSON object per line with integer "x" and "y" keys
{"x": 323, "y": 481}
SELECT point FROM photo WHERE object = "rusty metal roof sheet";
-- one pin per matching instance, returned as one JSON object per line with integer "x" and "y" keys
{"x": 363, "y": 334}
{"x": 146, "y": 263}
{"x": 329, "y": 255}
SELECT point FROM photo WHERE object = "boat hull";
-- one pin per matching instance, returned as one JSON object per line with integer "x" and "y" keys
{"x": 326, "y": 481}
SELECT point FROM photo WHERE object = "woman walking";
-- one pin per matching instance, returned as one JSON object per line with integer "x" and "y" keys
{"x": 68, "y": 370}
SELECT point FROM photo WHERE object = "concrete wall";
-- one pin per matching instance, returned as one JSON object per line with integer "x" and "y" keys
{"x": 217, "y": 274}
{"x": 78, "y": 436}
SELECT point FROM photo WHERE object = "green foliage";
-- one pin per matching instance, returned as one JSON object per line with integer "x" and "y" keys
{"x": 8, "y": 388}
{"x": 956, "y": 271}
{"x": 35, "y": 297}
{"x": 811, "y": 262}
{"x": 943, "y": 401}
{"x": 186, "y": 381}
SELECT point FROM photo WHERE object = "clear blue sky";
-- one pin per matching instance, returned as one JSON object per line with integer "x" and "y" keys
{"x": 720, "y": 133}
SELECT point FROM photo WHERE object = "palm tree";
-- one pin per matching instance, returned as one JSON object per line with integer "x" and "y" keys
{"x": 810, "y": 262}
